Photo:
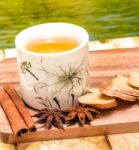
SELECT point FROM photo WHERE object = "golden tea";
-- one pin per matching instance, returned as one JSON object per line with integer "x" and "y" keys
{"x": 53, "y": 45}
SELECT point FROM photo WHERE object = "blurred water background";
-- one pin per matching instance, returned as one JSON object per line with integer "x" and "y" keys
{"x": 103, "y": 19}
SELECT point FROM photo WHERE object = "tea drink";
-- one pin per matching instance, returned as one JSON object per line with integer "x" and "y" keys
{"x": 53, "y": 45}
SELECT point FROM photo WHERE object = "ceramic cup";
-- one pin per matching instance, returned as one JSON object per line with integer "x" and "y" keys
{"x": 52, "y": 80}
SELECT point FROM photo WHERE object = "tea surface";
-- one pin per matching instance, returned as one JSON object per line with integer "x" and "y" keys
{"x": 52, "y": 45}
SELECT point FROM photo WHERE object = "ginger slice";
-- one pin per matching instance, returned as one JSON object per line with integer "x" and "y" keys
{"x": 133, "y": 79}
{"x": 98, "y": 100}
{"x": 125, "y": 97}
{"x": 107, "y": 90}
{"x": 120, "y": 85}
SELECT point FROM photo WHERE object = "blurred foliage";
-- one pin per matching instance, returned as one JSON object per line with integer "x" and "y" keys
{"x": 103, "y": 19}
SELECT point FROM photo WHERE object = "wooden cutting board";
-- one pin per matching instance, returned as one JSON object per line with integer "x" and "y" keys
{"x": 103, "y": 66}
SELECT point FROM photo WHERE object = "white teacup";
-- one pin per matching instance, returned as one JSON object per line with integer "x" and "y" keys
{"x": 53, "y": 80}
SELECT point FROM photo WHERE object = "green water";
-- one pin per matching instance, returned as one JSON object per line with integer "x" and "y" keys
{"x": 103, "y": 19}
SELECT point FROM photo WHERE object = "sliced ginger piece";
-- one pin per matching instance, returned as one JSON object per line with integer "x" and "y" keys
{"x": 106, "y": 88}
{"x": 119, "y": 85}
{"x": 125, "y": 97}
{"x": 133, "y": 79}
{"x": 98, "y": 100}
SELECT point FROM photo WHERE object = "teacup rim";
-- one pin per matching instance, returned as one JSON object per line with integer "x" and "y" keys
{"x": 85, "y": 41}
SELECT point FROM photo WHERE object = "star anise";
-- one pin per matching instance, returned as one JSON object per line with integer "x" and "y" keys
{"x": 81, "y": 113}
{"x": 49, "y": 117}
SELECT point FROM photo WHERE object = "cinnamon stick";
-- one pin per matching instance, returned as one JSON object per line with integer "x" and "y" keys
{"x": 20, "y": 106}
{"x": 15, "y": 120}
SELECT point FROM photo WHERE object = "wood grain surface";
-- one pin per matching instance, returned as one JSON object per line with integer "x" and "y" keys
{"x": 103, "y": 66}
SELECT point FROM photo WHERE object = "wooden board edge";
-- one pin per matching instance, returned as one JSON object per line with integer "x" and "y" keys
{"x": 69, "y": 133}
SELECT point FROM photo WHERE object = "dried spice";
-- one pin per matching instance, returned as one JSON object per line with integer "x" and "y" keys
{"x": 20, "y": 106}
{"x": 49, "y": 117}
{"x": 16, "y": 122}
{"x": 81, "y": 113}
{"x": 54, "y": 117}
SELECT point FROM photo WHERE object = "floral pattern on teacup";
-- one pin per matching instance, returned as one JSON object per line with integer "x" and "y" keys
{"x": 67, "y": 81}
